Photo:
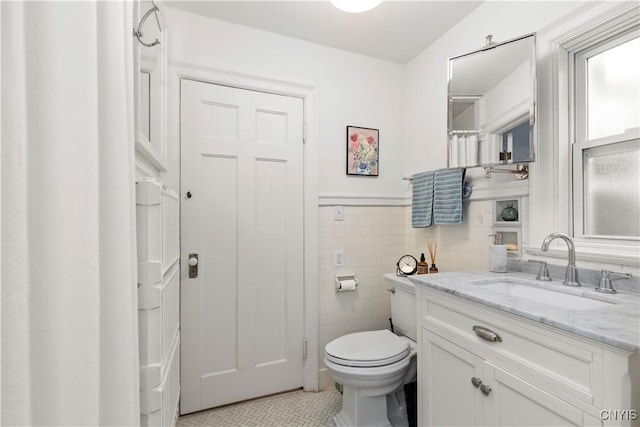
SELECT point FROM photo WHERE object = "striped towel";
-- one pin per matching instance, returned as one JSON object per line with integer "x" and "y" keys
{"x": 447, "y": 196}
{"x": 422, "y": 200}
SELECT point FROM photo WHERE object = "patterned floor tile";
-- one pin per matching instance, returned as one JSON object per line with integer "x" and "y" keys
{"x": 292, "y": 409}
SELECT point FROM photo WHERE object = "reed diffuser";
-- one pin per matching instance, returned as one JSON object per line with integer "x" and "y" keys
{"x": 433, "y": 250}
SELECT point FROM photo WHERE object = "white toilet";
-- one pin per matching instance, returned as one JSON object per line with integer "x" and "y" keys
{"x": 373, "y": 366}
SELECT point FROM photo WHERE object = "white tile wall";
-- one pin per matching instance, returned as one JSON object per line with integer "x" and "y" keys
{"x": 372, "y": 239}
{"x": 460, "y": 247}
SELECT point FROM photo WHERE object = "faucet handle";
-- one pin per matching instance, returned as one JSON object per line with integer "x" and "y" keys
{"x": 543, "y": 273}
{"x": 605, "y": 281}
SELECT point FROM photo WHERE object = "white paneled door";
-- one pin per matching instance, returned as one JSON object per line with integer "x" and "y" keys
{"x": 242, "y": 214}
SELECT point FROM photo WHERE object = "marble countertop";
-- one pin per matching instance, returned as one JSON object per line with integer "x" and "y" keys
{"x": 615, "y": 322}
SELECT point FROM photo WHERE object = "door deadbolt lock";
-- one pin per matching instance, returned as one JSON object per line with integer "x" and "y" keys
{"x": 193, "y": 266}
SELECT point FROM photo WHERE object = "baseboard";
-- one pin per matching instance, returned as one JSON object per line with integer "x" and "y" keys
{"x": 324, "y": 380}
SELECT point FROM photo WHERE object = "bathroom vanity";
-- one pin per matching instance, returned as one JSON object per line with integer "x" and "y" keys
{"x": 499, "y": 349}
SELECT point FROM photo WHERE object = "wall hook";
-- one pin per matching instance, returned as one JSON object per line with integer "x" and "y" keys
{"x": 138, "y": 33}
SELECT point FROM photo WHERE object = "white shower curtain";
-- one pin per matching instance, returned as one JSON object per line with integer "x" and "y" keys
{"x": 69, "y": 304}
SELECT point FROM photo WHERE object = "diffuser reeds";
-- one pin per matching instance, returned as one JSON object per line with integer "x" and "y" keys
{"x": 433, "y": 249}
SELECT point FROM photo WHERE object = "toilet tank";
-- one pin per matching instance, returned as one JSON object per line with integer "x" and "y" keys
{"x": 403, "y": 305}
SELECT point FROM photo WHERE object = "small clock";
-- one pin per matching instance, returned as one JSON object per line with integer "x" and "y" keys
{"x": 407, "y": 265}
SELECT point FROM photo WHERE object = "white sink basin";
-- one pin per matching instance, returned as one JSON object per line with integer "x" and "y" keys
{"x": 544, "y": 293}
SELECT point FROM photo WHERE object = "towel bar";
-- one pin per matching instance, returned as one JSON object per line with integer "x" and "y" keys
{"x": 521, "y": 171}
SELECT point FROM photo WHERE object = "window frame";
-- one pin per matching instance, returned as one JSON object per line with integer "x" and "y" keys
{"x": 551, "y": 179}
{"x": 579, "y": 76}
{"x": 578, "y": 116}
{"x": 579, "y": 148}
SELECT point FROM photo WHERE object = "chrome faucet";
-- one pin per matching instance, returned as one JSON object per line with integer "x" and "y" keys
{"x": 571, "y": 275}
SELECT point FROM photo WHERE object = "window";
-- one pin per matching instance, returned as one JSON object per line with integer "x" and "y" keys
{"x": 517, "y": 141}
{"x": 585, "y": 179}
{"x": 606, "y": 137}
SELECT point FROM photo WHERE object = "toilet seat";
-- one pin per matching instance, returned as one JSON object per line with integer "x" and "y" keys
{"x": 367, "y": 349}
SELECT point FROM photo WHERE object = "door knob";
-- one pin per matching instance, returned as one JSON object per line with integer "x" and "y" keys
{"x": 193, "y": 266}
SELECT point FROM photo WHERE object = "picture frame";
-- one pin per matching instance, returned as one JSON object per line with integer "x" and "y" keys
{"x": 363, "y": 156}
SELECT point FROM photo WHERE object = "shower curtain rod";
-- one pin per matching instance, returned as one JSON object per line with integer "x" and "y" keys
{"x": 138, "y": 33}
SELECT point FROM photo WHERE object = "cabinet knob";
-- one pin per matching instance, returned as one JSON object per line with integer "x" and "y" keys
{"x": 476, "y": 381}
{"x": 485, "y": 389}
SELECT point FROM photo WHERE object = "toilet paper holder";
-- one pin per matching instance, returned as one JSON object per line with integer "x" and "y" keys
{"x": 346, "y": 281}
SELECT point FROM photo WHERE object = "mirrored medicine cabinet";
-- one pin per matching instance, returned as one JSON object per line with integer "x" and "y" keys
{"x": 491, "y": 104}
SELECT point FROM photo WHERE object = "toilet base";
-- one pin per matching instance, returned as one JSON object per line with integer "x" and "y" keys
{"x": 361, "y": 410}
{"x": 397, "y": 409}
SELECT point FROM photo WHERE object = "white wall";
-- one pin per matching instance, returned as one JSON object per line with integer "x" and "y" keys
{"x": 408, "y": 105}
{"x": 463, "y": 247}
{"x": 352, "y": 90}
{"x": 348, "y": 89}
{"x": 425, "y": 89}
{"x": 372, "y": 240}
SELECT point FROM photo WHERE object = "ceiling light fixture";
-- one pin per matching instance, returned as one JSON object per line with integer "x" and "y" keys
{"x": 355, "y": 6}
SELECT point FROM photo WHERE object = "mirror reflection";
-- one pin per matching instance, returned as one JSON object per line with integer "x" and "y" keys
{"x": 491, "y": 105}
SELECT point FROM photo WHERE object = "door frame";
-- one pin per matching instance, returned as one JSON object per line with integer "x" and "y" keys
{"x": 308, "y": 93}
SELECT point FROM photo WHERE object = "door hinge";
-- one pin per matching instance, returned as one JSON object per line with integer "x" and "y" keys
{"x": 304, "y": 349}
{"x": 305, "y": 132}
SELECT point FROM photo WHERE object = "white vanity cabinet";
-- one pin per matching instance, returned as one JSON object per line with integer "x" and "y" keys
{"x": 496, "y": 398}
{"x": 532, "y": 374}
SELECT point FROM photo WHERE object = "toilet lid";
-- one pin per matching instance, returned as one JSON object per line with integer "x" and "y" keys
{"x": 367, "y": 349}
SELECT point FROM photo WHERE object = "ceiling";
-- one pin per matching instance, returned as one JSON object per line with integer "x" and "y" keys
{"x": 394, "y": 31}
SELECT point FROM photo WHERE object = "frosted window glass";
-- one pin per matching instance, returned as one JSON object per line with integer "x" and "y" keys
{"x": 612, "y": 190}
{"x": 614, "y": 90}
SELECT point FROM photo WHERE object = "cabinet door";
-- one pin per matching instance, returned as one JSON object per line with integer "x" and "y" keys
{"x": 448, "y": 398}
{"x": 515, "y": 402}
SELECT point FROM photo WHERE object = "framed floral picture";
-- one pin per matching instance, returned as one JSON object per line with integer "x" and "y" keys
{"x": 362, "y": 151}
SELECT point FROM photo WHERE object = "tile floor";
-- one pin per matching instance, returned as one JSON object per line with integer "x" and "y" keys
{"x": 295, "y": 408}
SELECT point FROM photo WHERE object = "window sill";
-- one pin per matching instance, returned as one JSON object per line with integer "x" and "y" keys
{"x": 598, "y": 253}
